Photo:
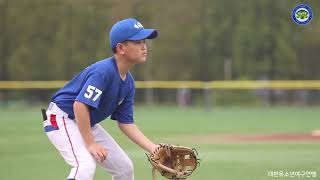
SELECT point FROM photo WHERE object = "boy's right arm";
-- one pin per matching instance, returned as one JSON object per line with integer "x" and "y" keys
{"x": 82, "y": 117}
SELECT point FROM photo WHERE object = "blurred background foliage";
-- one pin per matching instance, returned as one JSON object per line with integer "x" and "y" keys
{"x": 199, "y": 40}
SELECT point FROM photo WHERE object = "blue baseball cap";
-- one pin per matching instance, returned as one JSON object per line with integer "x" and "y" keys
{"x": 130, "y": 29}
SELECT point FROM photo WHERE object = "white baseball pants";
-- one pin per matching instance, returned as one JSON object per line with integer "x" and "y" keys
{"x": 65, "y": 136}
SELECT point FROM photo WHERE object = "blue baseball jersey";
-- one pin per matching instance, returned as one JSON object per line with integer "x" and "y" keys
{"x": 101, "y": 88}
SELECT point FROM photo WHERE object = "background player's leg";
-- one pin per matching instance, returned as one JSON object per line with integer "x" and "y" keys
{"x": 68, "y": 141}
{"x": 117, "y": 162}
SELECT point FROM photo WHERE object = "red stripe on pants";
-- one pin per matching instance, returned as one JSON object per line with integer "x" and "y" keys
{"x": 65, "y": 127}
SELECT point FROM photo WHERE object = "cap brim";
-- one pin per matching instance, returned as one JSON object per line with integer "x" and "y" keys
{"x": 145, "y": 34}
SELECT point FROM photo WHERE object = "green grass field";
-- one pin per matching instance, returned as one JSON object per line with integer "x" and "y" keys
{"x": 26, "y": 153}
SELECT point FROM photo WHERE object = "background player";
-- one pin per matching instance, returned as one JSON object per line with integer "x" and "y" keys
{"x": 105, "y": 88}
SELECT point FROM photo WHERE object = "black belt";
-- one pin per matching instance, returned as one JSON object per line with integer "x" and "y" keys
{"x": 44, "y": 115}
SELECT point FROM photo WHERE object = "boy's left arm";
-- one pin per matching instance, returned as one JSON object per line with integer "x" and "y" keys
{"x": 136, "y": 135}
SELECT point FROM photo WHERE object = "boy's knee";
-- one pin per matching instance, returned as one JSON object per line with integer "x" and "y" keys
{"x": 125, "y": 170}
{"x": 88, "y": 167}
{"x": 86, "y": 170}
{"x": 128, "y": 167}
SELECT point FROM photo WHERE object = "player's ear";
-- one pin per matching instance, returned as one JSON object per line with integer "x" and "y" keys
{"x": 120, "y": 48}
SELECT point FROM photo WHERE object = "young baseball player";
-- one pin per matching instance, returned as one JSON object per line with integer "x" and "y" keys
{"x": 105, "y": 88}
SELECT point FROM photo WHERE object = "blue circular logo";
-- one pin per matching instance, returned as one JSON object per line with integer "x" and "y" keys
{"x": 302, "y": 14}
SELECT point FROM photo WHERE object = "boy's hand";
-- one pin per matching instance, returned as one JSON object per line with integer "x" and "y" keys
{"x": 155, "y": 147}
{"x": 98, "y": 151}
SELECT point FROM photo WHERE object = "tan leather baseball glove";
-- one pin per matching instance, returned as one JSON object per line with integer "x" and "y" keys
{"x": 174, "y": 162}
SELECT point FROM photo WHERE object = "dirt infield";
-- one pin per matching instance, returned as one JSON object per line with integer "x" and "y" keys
{"x": 244, "y": 138}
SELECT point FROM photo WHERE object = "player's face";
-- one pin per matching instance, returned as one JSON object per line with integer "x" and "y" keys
{"x": 136, "y": 51}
